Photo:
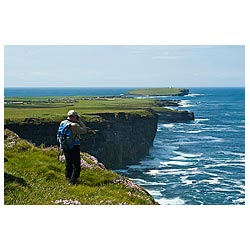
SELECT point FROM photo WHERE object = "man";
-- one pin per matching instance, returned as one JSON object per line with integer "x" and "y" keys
{"x": 72, "y": 156}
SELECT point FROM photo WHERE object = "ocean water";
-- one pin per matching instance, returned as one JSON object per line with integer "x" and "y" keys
{"x": 197, "y": 162}
{"x": 39, "y": 92}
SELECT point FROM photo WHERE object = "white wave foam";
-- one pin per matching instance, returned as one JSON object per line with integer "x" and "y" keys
{"x": 186, "y": 172}
{"x": 242, "y": 189}
{"x": 239, "y": 201}
{"x": 216, "y": 165}
{"x": 232, "y": 153}
{"x": 188, "y": 155}
{"x": 185, "y": 181}
{"x": 169, "y": 125}
{"x": 174, "y": 201}
{"x": 234, "y": 163}
{"x": 137, "y": 180}
{"x": 197, "y": 120}
{"x": 225, "y": 164}
{"x": 194, "y": 95}
{"x": 223, "y": 189}
{"x": 217, "y": 140}
{"x": 175, "y": 172}
{"x": 178, "y": 163}
{"x": 181, "y": 131}
{"x": 180, "y": 158}
{"x": 169, "y": 107}
{"x": 211, "y": 139}
{"x": 137, "y": 167}
{"x": 143, "y": 182}
{"x": 154, "y": 172}
{"x": 186, "y": 142}
{"x": 218, "y": 128}
{"x": 194, "y": 131}
{"x": 186, "y": 103}
{"x": 212, "y": 181}
{"x": 193, "y": 171}
{"x": 155, "y": 192}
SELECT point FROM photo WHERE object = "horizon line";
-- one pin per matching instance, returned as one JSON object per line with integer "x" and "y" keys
{"x": 92, "y": 87}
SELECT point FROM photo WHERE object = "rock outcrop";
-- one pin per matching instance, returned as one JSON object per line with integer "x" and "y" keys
{"x": 184, "y": 92}
{"x": 176, "y": 116}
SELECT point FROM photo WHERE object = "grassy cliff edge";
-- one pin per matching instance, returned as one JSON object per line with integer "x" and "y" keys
{"x": 34, "y": 176}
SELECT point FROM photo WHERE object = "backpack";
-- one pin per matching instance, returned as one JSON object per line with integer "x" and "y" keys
{"x": 65, "y": 136}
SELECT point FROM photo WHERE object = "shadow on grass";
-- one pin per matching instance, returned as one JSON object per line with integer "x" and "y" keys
{"x": 9, "y": 178}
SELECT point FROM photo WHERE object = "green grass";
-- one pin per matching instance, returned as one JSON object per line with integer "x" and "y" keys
{"x": 86, "y": 108}
{"x": 157, "y": 91}
{"x": 33, "y": 175}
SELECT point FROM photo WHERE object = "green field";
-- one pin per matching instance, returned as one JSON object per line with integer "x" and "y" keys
{"x": 56, "y": 108}
{"x": 157, "y": 91}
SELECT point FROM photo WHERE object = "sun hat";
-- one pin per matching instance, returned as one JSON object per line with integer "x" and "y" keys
{"x": 72, "y": 113}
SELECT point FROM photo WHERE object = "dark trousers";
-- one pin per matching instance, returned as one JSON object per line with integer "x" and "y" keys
{"x": 72, "y": 164}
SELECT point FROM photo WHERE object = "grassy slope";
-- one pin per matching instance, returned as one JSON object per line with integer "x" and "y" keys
{"x": 156, "y": 91}
{"x": 34, "y": 176}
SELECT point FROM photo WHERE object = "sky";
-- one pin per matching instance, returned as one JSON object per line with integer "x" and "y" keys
{"x": 124, "y": 66}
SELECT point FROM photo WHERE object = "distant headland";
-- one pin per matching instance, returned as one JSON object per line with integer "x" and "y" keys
{"x": 160, "y": 92}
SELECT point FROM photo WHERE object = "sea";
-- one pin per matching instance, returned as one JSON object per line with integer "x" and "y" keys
{"x": 201, "y": 162}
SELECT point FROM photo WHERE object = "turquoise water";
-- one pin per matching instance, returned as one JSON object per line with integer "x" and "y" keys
{"x": 198, "y": 162}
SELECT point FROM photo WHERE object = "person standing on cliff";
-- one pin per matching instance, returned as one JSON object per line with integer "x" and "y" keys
{"x": 72, "y": 156}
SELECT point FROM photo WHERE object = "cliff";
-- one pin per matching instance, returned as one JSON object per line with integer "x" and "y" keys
{"x": 121, "y": 138}
{"x": 168, "y": 115}
{"x": 174, "y": 116}
{"x": 116, "y": 139}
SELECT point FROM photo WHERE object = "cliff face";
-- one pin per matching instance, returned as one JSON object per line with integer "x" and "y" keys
{"x": 116, "y": 140}
{"x": 122, "y": 138}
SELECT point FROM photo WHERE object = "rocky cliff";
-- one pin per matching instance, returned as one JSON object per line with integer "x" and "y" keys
{"x": 116, "y": 139}
{"x": 122, "y": 138}
{"x": 176, "y": 116}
